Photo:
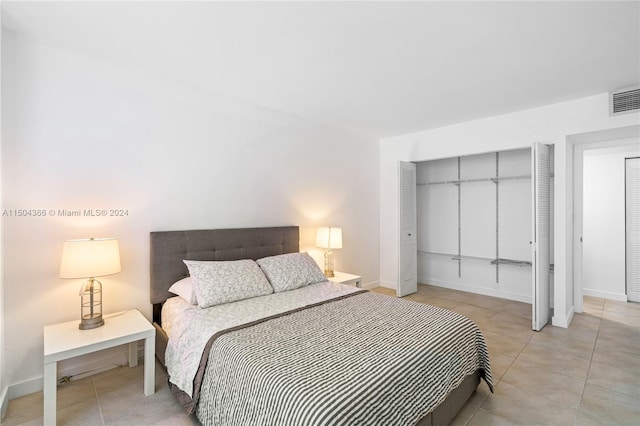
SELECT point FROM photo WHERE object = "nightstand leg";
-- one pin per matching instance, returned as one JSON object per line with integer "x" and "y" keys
{"x": 149, "y": 366}
{"x": 133, "y": 354}
{"x": 49, "y": 393}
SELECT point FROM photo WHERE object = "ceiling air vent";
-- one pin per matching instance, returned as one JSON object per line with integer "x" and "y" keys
{"x": 625, "y": 100}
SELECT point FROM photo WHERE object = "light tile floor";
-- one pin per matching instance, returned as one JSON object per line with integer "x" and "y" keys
{"x": 588, "y": 374}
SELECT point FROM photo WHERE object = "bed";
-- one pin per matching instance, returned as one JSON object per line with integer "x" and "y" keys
{"x": 322, "y": 353}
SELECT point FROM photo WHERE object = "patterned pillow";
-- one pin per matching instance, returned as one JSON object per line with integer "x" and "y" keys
{"x": 215, "y": 283}
{"x": 291, "y": 271}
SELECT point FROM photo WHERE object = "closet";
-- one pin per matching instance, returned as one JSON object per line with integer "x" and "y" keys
{"x": 484, "y": 225}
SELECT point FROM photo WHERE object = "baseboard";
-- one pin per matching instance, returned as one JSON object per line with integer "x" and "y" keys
{"x": 78, "y": 368}
{"x": 25, "y": 387}
{"x": 84, "y": 367}
{"x": 387, "y": 284}
{"x": 563, "y": 322}
{"x": 4, "y": 403}
{"x": 604, "y": 295}
{"x": 369, "y": 286}
{"x": 478, "y": 290}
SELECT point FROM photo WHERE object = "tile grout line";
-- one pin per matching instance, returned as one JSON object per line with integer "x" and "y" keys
{"x": 514, "y": 360}
{"x": 595, "y": 342}
{"x": 472, "y": 416}
{"x": 588, "y": 369}
{"x": 479, "y": 407}
{"x": 95, "y": 392}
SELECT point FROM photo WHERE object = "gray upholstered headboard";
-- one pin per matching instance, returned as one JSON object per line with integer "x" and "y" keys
{"x": 170, "y": 248}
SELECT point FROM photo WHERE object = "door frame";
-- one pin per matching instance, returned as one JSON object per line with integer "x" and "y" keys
{"x": 578, "y": 187}
{"x": 627, "y": 225}
{"x": 579, "y": 149}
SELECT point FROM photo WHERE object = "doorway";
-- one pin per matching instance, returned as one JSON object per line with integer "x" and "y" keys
{"x": 632, "y": 227}
{"x": 599, "y": 219}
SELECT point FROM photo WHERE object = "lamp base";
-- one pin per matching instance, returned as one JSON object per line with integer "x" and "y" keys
{"x": 87, "y": 323}
{"x": 91, "y": 305}
{"x": 328, "y": 264}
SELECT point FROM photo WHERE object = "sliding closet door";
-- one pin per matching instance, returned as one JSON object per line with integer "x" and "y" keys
{"x": 541, "y": 249}
{"x": 408, "y": 249}
{"x": 632, "y": 202}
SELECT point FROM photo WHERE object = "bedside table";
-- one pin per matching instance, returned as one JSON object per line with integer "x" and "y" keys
{"x": 65, "y": 340}
{"x": 344, "y": 278}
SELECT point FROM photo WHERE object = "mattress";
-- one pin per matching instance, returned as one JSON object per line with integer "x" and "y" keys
{"x": 171, "y": 311}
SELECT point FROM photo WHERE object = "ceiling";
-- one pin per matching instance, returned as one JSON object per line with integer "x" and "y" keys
{"x": 377, "y": 68}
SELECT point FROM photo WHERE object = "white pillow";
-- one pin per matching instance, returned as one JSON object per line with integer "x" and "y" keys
{"x": 215, "y": 283}
{"x": 291, "y": 271}
{"x": 184, "y": 289}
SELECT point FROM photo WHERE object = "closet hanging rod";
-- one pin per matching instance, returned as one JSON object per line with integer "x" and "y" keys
{"x": 455, "y": 256}
{"x": 501, "y": 178}
{"x": 502, "y": 261}
{"x": 457, "y": 182}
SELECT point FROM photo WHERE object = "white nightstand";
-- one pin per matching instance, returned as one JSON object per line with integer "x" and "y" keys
{"x": 344, "y": 278}
{"x": 65, "y": 340}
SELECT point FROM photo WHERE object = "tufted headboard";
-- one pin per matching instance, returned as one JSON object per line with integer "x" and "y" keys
{"x": 170, "y": 248}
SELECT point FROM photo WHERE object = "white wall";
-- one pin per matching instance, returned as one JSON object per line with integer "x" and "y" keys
{"x": 603, "y": 247}
{"x": 3, "y": 370}
{"x": 551, "y": 124}
{"x": 82, "y": 132}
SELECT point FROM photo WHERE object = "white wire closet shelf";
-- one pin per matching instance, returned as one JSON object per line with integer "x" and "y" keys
{"x": 493, "y": 261}
{"x": 489, "y": 179}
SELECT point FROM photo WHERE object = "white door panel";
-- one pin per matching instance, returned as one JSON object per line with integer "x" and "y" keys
{"x": 408, "y": 250}
{"x": 540, "y": 241}
{"x": 632, "y": 202}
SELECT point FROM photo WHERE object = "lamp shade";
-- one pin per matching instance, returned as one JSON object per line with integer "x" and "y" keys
{"x": 90, "y": 258}
{"x": 329, "y": 237}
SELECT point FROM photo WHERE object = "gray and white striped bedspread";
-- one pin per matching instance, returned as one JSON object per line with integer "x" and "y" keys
{"x": 365, "y": 359}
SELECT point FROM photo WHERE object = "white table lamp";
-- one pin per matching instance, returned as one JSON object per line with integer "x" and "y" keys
{"x": 90, "y": 258}
{"x": 329, "y": 237}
